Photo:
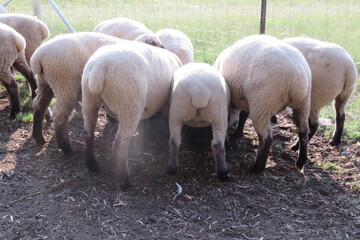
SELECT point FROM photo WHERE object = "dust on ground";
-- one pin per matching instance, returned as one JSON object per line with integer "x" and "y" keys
{"x": 45, "y": 194}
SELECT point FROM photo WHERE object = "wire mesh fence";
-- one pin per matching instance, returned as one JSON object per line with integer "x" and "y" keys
{"x": 211, "y": 24}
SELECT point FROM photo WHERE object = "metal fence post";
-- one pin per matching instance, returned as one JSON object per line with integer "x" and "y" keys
{"x": 5, "y": 3}
{"x": 263, "y": 16}
{"x": 37, "y": 8}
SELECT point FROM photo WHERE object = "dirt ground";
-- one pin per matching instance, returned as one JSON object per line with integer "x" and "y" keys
{"x": 47, "y": 195}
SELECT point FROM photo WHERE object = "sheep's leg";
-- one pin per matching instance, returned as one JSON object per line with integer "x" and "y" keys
{"x": 25, "y": 70}
{"x": 313, "y": 126}
{"x": 301, "y": 121}
{"x": 90, "y": 115}
{"x": 263, "y": 130}
{"x": 40, "y": 106}
{"x": 13, "y": 90}
{"x": 174, "y": 145}
{"x": 120, "y": 148}
{"x": 218, "y": 149}
{"x": 239, "y": 132}
{"x": 62, "y": 111}
{"x": 339, "y": 105}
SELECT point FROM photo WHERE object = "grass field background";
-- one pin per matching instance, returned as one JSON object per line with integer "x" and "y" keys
{"x": 214, "y": 25}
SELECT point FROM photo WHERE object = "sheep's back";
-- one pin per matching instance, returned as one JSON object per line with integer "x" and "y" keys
{"x": 262, "y": 67}
{"x": 123, "y": 28}
{"x": 33, "y": 30}
{"x": 61, "y": 60}
{"x": 331, "y": 66}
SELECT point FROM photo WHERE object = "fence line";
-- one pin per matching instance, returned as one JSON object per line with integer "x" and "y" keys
{"x": 213, "y": 25}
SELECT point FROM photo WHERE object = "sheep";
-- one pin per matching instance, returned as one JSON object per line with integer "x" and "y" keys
{"x": 200, "y": 97}
{"x": 264, "y": 76}
{"x": 11, "y": 53}
{"x": 35, "y": 32}
{"x": 333, "y": 78}
{"x": 133, "y": 80}
{"x": 124, "y": 28}
{"x": 2, "y": 9}
{"x": 177, "y": 42}
{"x": 59, "y": 64}
{"x": 150, "y": 39}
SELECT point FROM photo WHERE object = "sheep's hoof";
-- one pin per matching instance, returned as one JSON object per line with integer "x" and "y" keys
{"x": 256, "y": 169}
{"x": 48, "y": 117}
{"x": 171, "y": 170}
{"x": 66, "y": 149}
{"x": 295, "y": 147}
{"x": 222, "y": 176}
{"x": 334, "y": 142}
{"x": 300, "y": 165}
{"x": 93, "y": 166}
{"x": 125, "y": 186}
{"x": 40, "y": 140}
{"x": 12, "y": 116}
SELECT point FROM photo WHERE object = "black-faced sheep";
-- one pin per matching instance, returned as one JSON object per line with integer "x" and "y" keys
{"x": 11, "y": 52}
{"x": 133, "y": 80}
{"x": 265, "y": 75}
{"x": 200, "y": 97}
{"x": 34, "y": 32}
{"x": 333, "y": 78}
{"x": 59, "y": 64}
{"x": 124, "y": 28}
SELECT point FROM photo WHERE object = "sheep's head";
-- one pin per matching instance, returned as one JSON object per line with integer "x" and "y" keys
{"x": 150, "y": 39}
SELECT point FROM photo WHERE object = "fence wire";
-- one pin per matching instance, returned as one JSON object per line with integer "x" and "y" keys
{"x": 211, "y": 24}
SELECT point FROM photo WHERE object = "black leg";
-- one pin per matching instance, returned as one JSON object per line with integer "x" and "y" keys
{"x": 41, "y": 103}
{"x": 262, "y": 154}
{"x": 219, "y": 155}
{"x": 13, "y": 90}
{"x": 239, "y": 133}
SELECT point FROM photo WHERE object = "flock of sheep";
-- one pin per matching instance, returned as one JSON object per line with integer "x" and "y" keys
{"x": 134, "y": 73}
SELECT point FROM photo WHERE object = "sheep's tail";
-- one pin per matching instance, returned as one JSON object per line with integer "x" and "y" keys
{"x": 96, "y": 79}
{"x": 200, "y": 97}
{"x": 35, "y": 62}
{"x": 19, "y": 41}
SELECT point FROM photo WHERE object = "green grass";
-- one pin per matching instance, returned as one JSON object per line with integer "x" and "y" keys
{"x": 326, "y": 165}
{"x": 213, "y": 25}
{"x": 25, "y": 117}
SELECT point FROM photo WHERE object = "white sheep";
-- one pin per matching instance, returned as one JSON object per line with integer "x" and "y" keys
{"x": 200, "y": 97}
{"x": 59, "y": 64}
{"x": 124, "y": 28}
{"x": 11, "y": 52}
{"x": 177, "y": 42}
{"x": 150, "y": 39}
{"x": 133, "y": 80}
{"x": 34, "y": 32}
{"x": 2, "y": 9}
{"x": 333, "y": 78}
{"x": 264, "y": 76}
{"x": 32, "y": 29}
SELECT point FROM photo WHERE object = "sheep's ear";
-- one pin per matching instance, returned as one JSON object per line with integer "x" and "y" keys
{"x": 154, "y": 42}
